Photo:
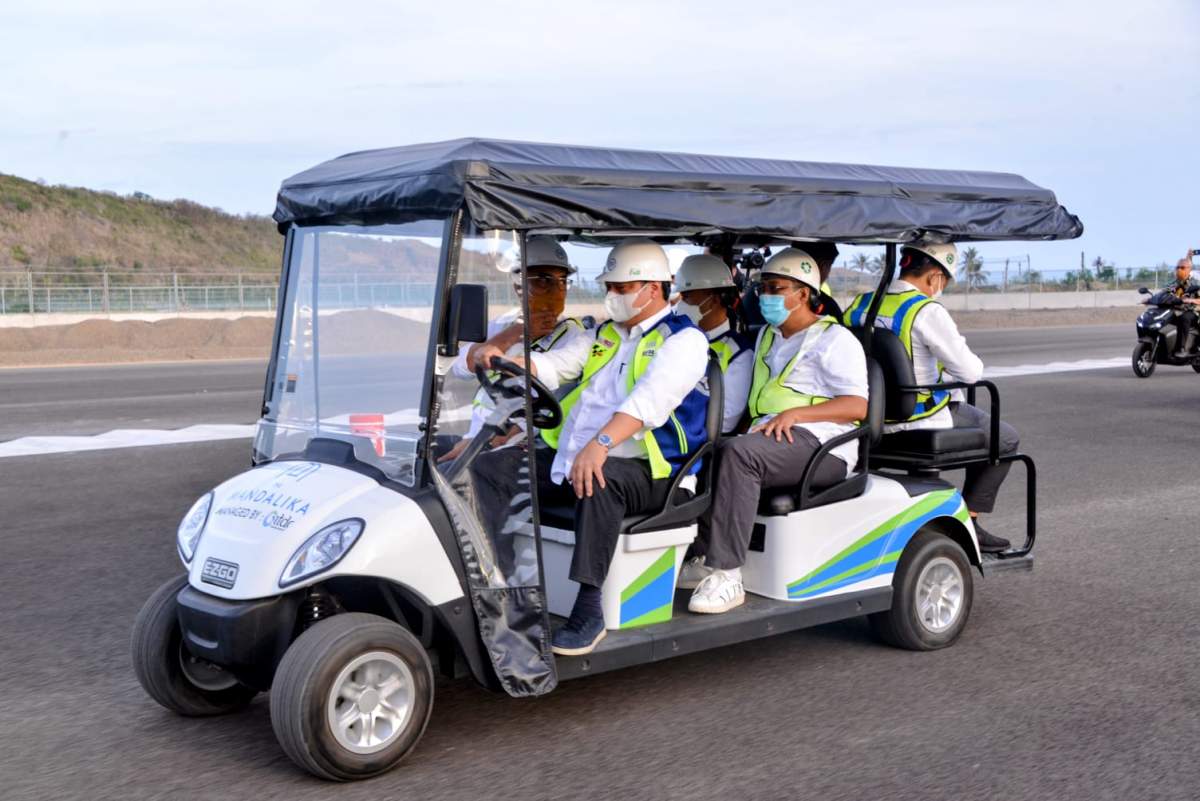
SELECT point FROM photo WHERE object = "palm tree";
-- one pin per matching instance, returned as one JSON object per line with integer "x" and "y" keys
{"x": 972, "y": 266}
{"x": 861, "y": 262}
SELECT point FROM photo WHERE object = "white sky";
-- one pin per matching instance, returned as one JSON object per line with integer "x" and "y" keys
{"x": 219, "y": 101}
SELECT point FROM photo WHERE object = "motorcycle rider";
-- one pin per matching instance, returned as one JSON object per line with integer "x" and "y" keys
{"x": 1187, "y": 289}
{"x": 940, "y": 353}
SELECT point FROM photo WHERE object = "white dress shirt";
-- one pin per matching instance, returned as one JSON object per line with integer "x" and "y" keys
{"x": 833, "y": 364}
{"x": 676, "y": 369}
{"x": 483, "y": 409}
{"x": 935, "y": 338}
{"x": 738, "y": 377}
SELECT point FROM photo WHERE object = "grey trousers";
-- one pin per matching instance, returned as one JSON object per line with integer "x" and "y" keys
{"x": 983, "y": 481}
{"x": 745, "y": 465}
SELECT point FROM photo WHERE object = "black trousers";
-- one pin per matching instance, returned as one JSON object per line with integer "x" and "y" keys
{"x": 1186, "y": 323}
{"x": 502, "y": 485}
{"x": 983, "y": 480}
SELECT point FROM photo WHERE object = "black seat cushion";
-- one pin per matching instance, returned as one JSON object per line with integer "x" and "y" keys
{"x": 780, "y": 501}
{"x": 933, "y": 441}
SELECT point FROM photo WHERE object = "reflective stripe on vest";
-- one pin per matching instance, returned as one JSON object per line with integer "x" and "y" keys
{"x": 725, "y": 348}
{"x": 603, "y": 350}
{"x": 898, "y": 312}
{"x": 769, "y": 395}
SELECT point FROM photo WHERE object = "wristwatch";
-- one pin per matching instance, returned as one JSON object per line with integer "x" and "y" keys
{"x": 605, "y": 440}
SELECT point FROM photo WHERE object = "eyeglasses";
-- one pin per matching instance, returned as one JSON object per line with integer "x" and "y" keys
{"x": 546, "y": 284}
{"x": 774, "y": 288}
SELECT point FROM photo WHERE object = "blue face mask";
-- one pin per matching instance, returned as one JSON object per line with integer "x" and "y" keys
{"x": 774, "y": 309}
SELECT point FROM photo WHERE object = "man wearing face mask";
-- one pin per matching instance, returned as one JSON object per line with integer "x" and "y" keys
{"x": 550, "y": 274}
{"x": 707, "y": 297}
{"x": 629, "y": 424}
{"x": 809, "y": 385}
{"x": 940, "y": 354}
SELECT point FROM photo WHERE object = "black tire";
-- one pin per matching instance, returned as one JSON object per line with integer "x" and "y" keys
{"x": 304, "y": 682}
{"x": 158, "y": 661}
{"x": 1143, "y": 360}
{"x": 1196, "y": 364}
{"x": 901, "y": 625}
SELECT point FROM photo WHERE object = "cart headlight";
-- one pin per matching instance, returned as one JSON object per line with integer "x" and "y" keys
{"x": 321, "y": 551}
{"x": 193, "y": 526}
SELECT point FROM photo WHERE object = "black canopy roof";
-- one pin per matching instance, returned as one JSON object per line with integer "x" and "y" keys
{"x": 523, "y": 185}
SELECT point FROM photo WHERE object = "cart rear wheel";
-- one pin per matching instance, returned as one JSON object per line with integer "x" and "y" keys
{"x": 352, "y": 697}
{"x": 931, "y": 595}
{"x": 1143, "y": 359}
{"x": 1196, "y": 364}
{"x": 169, "y": 673}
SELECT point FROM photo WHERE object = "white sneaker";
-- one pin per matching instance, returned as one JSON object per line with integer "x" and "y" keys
{"x": 692, "y": 573}
{"x": 719, "y": 592}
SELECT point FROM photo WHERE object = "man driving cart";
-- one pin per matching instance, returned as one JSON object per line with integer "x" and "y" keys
{"x": 637, "y": 411}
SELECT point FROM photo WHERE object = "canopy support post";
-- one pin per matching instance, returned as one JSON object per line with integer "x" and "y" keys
{"x": 886, "y": 275}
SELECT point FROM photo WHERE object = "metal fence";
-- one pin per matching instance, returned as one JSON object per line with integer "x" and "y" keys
{"x": 113, "y": 292}
{"x": 1000, "y": 281}
{"x": 23, "y": 292}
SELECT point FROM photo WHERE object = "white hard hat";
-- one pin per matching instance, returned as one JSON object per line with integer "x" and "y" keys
{"x": 946, "y": 256}
{"x": 636, "y": 259}
{"x": 544, "y": 251}
{"x": 794, "y": 263}
{"x": 703, "y": 271}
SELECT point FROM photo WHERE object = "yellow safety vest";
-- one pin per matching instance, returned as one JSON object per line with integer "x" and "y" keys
{"x": 769, "y": 394}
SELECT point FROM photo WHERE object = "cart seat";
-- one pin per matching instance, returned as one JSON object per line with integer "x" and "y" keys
{"x": 564, "y": 516}
{"x": 923, "y": 449}
{"x": 934, "y": 442}
{"x": 785, "y": 500}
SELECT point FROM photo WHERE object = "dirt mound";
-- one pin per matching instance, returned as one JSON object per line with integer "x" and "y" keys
{"x": 101, "y": 341}
{"x": 179, "y": 339}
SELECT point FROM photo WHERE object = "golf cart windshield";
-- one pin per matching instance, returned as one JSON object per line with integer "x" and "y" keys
{"x": 353, "y": 341}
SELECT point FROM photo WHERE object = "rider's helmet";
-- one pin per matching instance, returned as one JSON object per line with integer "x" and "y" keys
{"x": 946, "y": 256}
{"x": 702, "y": 271}
{"x": 636, "y": 259}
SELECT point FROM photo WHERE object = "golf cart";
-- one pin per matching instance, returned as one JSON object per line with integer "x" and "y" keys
{"x": 352, "y": 560}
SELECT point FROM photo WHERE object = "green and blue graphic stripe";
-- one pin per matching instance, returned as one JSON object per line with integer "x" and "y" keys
{"x": 877, "y": 552}
{"x": 649, "y": 598}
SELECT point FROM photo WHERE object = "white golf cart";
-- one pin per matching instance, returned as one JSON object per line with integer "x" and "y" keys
{"x": 350, "y": 562}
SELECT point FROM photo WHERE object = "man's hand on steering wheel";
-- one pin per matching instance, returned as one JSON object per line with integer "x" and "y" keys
{"x": 546, "y": 411}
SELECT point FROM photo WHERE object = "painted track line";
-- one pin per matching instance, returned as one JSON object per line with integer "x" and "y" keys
{"x": 136, "y": 438}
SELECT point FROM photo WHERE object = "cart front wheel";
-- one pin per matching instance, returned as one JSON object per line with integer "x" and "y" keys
{"x": 1143, "y": 359}
{"x": 351, "y": 697}
{"x": 931, "y": 595}
{"x": 169, "y": 673}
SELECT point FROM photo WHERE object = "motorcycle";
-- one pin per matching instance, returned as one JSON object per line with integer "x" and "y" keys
{"x": 1158, "y": 329}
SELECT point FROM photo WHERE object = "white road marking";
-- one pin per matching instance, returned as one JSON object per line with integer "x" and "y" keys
{"x": 124, "y": 438}
{"x": 141, "y": 437}
{"x": 1056, "y": 367}
{"x": 135, "y": 438}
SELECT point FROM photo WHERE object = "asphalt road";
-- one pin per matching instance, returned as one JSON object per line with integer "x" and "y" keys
{"x": 1078, "y": 681}
{"x": 92, "y": 400}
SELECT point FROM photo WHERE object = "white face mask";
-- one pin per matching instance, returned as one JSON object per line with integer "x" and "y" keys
{"x": 622, "y": 307}
{"x": 693, "y": 311}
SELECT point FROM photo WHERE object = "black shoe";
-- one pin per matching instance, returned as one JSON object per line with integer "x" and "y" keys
{"x": 578, "y": 636}
{"x": 989, "y": 543}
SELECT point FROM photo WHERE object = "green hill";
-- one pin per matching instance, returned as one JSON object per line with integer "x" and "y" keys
{"x": 60, "y": 227}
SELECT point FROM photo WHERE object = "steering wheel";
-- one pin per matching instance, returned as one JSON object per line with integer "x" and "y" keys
{"x": 547, "y": 413}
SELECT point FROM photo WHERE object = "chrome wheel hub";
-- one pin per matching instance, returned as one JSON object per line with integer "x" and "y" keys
{"x": 940, "y": 590}
{"x": 371, "y": 702}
